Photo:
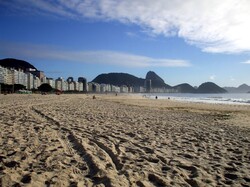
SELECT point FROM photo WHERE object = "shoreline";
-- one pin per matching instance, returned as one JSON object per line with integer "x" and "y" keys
{"x": 124, "y": 140}
{"x": 235, "y": 98}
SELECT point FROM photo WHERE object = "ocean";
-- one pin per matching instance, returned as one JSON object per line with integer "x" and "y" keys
{"x": 228, "y": 98}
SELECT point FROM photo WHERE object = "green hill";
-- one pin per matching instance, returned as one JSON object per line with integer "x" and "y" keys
{"x": 16, "y": 64}
{"x": 156, "y": 81}
{"x": 185, "y": 88}
{"x": 119, "y": 79}
{"x": 210, "y": 87}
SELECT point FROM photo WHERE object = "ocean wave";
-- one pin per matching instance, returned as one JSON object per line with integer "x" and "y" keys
{"x": 206, "y": 98}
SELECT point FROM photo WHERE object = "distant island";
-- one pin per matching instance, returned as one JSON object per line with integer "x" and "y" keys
{"x": 244, "y": 88}
{"x": 151, "y": 83}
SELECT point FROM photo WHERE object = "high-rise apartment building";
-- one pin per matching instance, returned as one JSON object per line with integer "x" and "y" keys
{"x": 84, "y": 81}
{"x": 59, "y": 84}
{"x": 3, "y": 72}
{"x": 51, "y": 82}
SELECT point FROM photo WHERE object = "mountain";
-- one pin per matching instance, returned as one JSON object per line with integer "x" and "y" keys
{"x": 16, "y": 64}
{"x": 185, "y": 88}
{"x": 156, "y": 80}
{"x": 210, "y": 87}
{"x": 231, "y": 89}
{"x": 244, "y": 88}
{"x": 153, "y": 76}
{"x": 119, "y": 79}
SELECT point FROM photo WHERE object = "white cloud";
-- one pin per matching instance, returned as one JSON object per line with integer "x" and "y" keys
{"x": 212, "y": 25}
{"x": 131, "y": 34}
{"x": 246, "y": 62}
{"x": 39, "y": 7}
{"x": 212, "y": 77}
{"x": 94, "y": 57}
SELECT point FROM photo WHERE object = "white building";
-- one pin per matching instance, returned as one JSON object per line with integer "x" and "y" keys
{"x": 65, "y": 86}
{"x": 90, "y": 87}
{"x": 37, "y": 82}
{"x": 139, "y": 89}
{"x": 103, "y": 88}
{"x": 108, "y": 87}
{"x": 62, "y": 85}
{"x": 12, "y": 76}
{"x": 51, "y": 82}
{"x": 20, "y": 78}
{"x": 3, "y": 74}
{"x": 43, "y": 80}
{"x": 115, "y": 89}
{"x": 16, "y": 76}
{"x": 158, "y": 90}
{"x": 130, "y": 89}
{"x": 76, "y": 85}
{"x": 9, "y": 77}
{"x": 98, "y": 88}
{"x": 124, "y": 89}
{"x": 80, "y": 86}
{"x": 94, "y": 87}
{"x": 71, "y": 86}
{"x": 30, "y": 81}
{"x": 59, "y": 84}
{"x": 84, "y": 81}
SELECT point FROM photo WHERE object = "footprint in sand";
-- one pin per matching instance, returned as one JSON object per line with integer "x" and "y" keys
{"x": 165, "y": 169}
{"x": 157, "y": 181}
{"x": 231, "y": 176}
{"x": 12, "y": 164}
{"x": 26, "y": 179}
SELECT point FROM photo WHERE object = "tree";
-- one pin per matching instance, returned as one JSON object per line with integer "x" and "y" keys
{"x": 45, "y": 88}
{"x": 18, "y": 87}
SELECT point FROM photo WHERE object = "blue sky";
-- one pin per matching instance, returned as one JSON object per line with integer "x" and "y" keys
{"x": 189, "y": 41}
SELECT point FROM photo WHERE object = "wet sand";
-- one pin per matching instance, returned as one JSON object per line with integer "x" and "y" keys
{"x": 74, "y": 140}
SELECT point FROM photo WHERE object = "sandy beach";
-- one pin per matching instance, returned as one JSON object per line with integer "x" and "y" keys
{"x": 74, "y": 140}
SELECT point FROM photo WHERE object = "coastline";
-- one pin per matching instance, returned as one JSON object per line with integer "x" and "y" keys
{"x": 226, "y": 98}
{"x": 123, "y": 140}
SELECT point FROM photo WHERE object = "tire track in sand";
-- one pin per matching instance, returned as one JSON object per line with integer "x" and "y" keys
{"x": 87, "y": 149}
{"x": 71, "y": 142}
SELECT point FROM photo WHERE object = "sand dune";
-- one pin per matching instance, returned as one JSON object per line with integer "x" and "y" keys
{"x": 73, "y": 140}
